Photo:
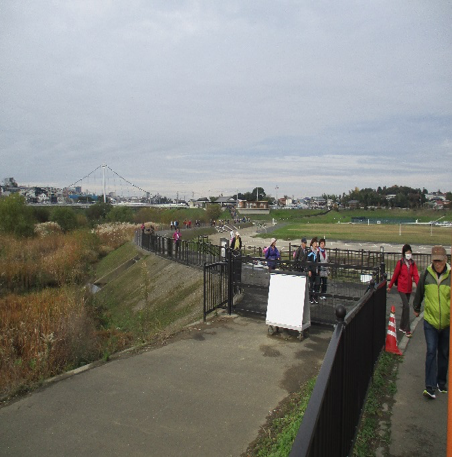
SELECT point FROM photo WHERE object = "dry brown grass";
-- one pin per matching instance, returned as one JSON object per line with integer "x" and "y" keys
{"x": 41, "y": 335}
{"x": 45, "y": 325}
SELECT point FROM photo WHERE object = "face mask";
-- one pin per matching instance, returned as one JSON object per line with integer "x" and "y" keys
{"x": 408, "y": 256}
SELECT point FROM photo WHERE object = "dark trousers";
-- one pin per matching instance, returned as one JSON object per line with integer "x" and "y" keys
{"x": 313, "y": 286}
{"x": 323, "y": 284}
{"x": 437, "y": 357}
{"x": 405, "y": 319}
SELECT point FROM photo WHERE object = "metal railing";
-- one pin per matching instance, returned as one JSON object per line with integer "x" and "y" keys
{"x": 346, "y": 285}
{"x": 217, "y": 287}
{"x": 361, "y": 257}
{"x": 330, "y": 421}
{"x": 194, "y": 252}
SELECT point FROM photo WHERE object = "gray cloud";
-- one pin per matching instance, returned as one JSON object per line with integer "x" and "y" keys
{"x": 219, "y": 97}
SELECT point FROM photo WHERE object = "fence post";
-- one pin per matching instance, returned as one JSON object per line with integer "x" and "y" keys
{"x": 230, "y": 279}
{"x": 382, "y": 260}
{"x": 205, "y": 294}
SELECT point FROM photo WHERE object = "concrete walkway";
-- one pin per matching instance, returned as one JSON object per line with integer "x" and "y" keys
{"x": 418, "y": 425}
{"x": 206, "y": 393}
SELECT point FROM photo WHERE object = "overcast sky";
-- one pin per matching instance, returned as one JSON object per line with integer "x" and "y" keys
{"x": 203, "y": 98}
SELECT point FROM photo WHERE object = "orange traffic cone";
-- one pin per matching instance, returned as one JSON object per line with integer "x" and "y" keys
{"x": 391, "y": 336}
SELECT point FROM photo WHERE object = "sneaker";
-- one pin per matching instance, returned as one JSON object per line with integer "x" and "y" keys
{"x": 323, "y": 297}
{"x": 311, "y": 301}
{"x": 401, "y": 330}
{"x": 429, "y": 393}
{"x": 442, "y": 389}
{"x": 408, "y": 334}
{"x": 316, "y": 301}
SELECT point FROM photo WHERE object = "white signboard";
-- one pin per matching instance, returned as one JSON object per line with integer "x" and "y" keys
{"x": 287, "y": 299}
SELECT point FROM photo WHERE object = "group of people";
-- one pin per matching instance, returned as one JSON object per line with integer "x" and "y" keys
{"x": 432, "y": 289}
{"x": 312, "y": 259}
{"x": 317, "y": 256}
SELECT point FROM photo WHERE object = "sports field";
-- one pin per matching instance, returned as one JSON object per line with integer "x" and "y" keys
{"x": 390, "y": 233}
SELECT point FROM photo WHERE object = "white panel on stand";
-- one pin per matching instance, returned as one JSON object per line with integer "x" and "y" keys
{"x": 286, "y": 301}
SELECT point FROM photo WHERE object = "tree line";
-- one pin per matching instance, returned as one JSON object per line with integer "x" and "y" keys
{"x": 18, "y": 218}
{"x": 390, "y": 197}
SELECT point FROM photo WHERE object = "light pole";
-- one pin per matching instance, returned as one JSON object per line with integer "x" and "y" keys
{"x": 431, "y": 224}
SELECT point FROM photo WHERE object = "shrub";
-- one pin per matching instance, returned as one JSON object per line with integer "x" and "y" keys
{"x": 16, "y": 218}
{"x": 56, "y": 259}
{"x": 46, "y": 229}
{"x": 113, "y": 235}
{"x": 120, "y": 214}
{"x": 65, "y": 218}
{"x": 41, "y": 335}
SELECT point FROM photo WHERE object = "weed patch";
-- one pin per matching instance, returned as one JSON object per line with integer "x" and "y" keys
{"x": 374, "y": 430}
{"x": 277, "y": 436}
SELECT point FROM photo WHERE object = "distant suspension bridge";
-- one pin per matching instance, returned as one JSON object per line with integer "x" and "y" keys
{"x": 104, "y": 181}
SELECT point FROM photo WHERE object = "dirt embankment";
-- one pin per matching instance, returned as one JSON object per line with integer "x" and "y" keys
{"x": 170, "y": 286}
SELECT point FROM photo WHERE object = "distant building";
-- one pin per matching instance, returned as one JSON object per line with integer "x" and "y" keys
{"x": 253, "y": 207}
{"x": 353, "y": 204}
{"x": 225, "y": 201}
{"x": 317, "y": 202}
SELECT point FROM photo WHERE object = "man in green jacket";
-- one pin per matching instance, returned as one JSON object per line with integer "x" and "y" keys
{"x": 434, "y": 289}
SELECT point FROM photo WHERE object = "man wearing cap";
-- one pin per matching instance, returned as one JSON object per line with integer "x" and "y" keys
{"x": 434, "y": 289}
{"x": 301, "y": 255}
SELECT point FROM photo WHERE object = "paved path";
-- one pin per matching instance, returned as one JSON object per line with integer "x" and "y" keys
{"x": 206, "y": 393}
{"x": 418, "y": 425}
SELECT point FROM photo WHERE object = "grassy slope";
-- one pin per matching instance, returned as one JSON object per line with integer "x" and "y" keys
{"x": 154, "y": 295}
{"x": 114, "y": 259}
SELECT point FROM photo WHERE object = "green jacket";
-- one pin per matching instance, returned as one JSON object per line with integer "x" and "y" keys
{"x": 436, "y": 295}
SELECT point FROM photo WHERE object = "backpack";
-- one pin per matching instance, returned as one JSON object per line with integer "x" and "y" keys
{"x": 295, "y": 254}
{"x": 397, "y": 279}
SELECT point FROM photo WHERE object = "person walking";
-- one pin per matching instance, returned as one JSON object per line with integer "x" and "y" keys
{"x": 272, "y": 255}
{"x": 323, "y": 270}
{"x": 177, "y": 240}
{"x": 434, "y": 290}
{"x": 404, "y": 274}
{"x": 313, "y": 272}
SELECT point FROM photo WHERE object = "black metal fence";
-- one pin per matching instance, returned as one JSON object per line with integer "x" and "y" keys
{"x": 229, "y": 274}
{"x": 331, "y": 418}
{"x": 355, "y": 258}
{"x": 217, "y": 287}
{"x": 346, "y": 285}
{"x": 196, "y": 252}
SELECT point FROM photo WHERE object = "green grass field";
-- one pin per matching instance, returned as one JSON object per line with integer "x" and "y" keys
{"x": 336, "y": 225}
{"x": 412, "y": 234}
{"x": 315, "y": 216}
